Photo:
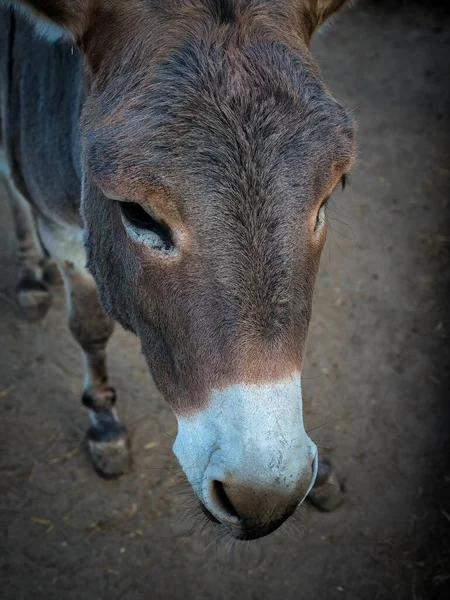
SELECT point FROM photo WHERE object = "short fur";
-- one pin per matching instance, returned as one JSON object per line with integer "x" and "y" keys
{"x": 229, "y": 118}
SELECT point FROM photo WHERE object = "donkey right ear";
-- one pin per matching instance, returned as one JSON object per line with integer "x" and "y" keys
{"x": 57, "y": 18}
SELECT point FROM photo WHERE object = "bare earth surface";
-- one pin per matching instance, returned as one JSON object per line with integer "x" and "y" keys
{"x": 375, "y": 382}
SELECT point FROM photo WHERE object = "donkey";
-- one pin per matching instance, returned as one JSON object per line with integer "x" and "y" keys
{"x": 177, "y": 157}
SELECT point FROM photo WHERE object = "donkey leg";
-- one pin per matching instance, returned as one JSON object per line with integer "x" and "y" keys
{"x": 328, "y": 492}
{"x": 106, "y": 438}
{"x": 33, "y": 295}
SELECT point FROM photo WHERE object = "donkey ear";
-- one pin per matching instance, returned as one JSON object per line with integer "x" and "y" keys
{"x": 316, "y": 12}
{"x": 57, "y": 18}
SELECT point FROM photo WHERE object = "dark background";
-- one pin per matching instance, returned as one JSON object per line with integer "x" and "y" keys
{"x": 375, "y": 382}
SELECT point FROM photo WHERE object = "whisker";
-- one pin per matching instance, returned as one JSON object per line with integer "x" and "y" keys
{"x": 321, "y": 425}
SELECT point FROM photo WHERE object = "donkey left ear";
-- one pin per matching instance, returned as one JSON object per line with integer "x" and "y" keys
{"x": 315, "y": 12}
{"x": 54, "y": 18}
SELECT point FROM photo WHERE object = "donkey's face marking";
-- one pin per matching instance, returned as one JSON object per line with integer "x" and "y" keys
{"x": 247, "y": 455}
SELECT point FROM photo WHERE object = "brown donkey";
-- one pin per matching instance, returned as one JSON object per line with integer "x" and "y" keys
{"x": 185, "y": 151}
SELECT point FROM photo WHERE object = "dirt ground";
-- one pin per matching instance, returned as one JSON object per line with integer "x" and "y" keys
{"x": 375, "y": 382}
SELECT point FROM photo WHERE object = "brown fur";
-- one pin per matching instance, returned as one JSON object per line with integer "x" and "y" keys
{"x": 211, "y": 113}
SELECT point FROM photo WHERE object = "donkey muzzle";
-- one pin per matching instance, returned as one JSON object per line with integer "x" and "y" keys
{"x": 248, "y": 457}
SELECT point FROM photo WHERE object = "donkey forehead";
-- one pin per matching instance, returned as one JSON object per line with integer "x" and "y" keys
{"x": 204, "y": 119}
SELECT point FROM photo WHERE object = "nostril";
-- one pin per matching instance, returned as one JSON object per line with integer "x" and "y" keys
{"x": 221, "y": 500}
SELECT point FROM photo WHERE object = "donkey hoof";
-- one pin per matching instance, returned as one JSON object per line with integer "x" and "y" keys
{"x": 328, "y": 492}
{"x": 111, "y": 458}
{"x": 34, "y": 299}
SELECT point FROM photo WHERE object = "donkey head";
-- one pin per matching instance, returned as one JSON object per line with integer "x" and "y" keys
{"x": 210, "y": 146}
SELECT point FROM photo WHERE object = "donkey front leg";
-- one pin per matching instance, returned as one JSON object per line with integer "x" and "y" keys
{"x": 33, "y": 295}
{"x": 107, "y": 439}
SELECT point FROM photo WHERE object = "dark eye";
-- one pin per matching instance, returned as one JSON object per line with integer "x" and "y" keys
{"x": 320, "y": 220}
{"x": 140, "y": 220}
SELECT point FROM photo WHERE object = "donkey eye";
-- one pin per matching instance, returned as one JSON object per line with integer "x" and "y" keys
{"x": 146, "y": 228}
{"x": 320, "y": 220}
{"x": 321, "y": 216}
{"x": 137, "y": 215}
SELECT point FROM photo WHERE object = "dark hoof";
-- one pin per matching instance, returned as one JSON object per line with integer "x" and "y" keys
{"x": 110, "y": 456}
{"x": 34, "y": 299}
{"x": 328, "y": 492}
{"x": 52, "y": 276}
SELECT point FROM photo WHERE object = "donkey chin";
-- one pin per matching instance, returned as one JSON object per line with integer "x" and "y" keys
{"x": 248, "y": 457}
